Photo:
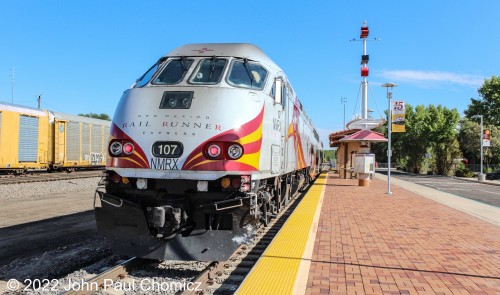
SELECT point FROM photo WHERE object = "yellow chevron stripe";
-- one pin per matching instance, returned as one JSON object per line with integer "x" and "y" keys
{"x": 290, "y": 130}
{"x": 203, "y": 162}
{"x": 194, "y": 158}
{"x": 252, "y": 137}
{"x": 133, "y": 161}
{"x": 139, "y": 156}
{"x": 251, "y": 159}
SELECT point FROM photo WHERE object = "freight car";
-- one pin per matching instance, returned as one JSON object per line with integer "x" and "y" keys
{"x": 205, "y": 147}
{"x": 41, "y": 139}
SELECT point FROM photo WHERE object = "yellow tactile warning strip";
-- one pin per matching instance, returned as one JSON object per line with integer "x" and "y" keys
{"x": 276, "y": 271}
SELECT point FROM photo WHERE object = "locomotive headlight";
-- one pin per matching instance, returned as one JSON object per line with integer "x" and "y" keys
{"x": 172, "y": 102}
{"x": 186, "y": 102}
{"x": 116, "y": 148}
{"x": 202, "y": 186}
{"x": 128, "y": 148}
{"x": 235, "y": 151}
{"x": 214, "y": 151}
{"x": 142, "y": 183}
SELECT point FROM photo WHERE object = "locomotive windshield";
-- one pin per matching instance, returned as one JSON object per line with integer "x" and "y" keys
{"x": 247, "y": 75}
{"x": 174, "y": 71}
{"x": 144, "y": 79}
{"x": 209, "y": 71}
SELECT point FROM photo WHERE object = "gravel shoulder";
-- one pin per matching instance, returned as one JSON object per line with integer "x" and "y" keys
{"x": 48, "y": 228}
{"x": 28, "y": 202}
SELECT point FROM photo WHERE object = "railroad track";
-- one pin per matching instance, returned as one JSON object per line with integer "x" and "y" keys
{"x": 222, "y": 277}
{"x": 44, "y": 177}
{"x": 226, "y": 277}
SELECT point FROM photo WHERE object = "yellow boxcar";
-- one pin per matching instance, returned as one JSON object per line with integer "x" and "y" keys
{"x": 78, "y": 142}
{"x": 23, "y": 138}
{"x": 40, "y": 139}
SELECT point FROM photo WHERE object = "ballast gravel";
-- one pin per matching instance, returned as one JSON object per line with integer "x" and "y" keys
{"x": 37, "y": 189}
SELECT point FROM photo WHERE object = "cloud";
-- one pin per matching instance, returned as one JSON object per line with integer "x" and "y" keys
{"x": 433, "y": 77}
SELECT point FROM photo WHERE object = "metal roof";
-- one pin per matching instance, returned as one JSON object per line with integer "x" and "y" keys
{"x": 74, "y": 118}
{"x": 365, "y": 135}
{"x": 22, "y": 109}
{"x": 242, "y": 50}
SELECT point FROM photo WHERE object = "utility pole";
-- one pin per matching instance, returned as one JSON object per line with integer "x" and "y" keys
{"x": 343, "y": 100}
{"x": 481, "y": 176}
{"x": 13, "y": 75}
{"x": 39, "y": 99}
{"x": 389, "y": 87}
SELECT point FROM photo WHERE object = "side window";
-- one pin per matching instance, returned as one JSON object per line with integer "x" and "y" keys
{"x": 209, "y": 71}
{"x": 173, "y": 72}
{"x": 247, "y": 74}
{"x": 144, "y": 79}
{"x": 273, "y": 90}
{"x": 285, "y": 93}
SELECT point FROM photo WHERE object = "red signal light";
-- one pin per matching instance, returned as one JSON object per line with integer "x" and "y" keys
{"x": 128, "y": 148}
{"x": 214, "y": 150}
{"x": 236, "y": 183}
{"x": 364, "y": 72}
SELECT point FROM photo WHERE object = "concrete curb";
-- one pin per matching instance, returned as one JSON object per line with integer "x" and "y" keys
{"x": 490, "y": 182}
{"x": 480, "y": 210}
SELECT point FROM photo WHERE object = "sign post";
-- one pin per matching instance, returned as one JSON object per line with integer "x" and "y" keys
{"x": 389, "y": 87}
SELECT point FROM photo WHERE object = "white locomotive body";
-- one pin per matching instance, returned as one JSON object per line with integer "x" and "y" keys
{"x": 208, "y": 144}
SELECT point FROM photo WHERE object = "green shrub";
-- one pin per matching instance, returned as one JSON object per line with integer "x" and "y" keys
{"x": 464, "y": 172}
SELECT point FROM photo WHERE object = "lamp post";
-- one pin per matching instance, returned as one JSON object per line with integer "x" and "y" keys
{"x": 480, "y": 177}
{"x": 343, "y": 100}
{"x": 389, "y": 87}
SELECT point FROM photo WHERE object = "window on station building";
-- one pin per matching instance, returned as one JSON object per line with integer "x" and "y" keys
{"x": 247, "y": 74}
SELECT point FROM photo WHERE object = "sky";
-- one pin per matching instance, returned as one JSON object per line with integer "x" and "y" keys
{"x": 81, "y": 55}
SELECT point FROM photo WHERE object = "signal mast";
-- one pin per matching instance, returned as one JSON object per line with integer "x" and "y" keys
{"x": 365, "y": 122}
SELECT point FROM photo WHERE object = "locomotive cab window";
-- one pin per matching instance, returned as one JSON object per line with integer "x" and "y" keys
{"x": 173, "y": 72}
{"x": 247, "y": 74}
{"x": 209, "y": 71}
{"x": 144, "y": 79}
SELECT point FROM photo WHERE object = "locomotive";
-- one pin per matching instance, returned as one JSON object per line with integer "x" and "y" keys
{"x": 205, "y": 147}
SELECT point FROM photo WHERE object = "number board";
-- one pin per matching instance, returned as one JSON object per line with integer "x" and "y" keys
{"x": 167, "y": 149}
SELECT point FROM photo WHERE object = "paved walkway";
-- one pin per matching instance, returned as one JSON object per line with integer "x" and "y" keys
{"x": 368, "y": 242}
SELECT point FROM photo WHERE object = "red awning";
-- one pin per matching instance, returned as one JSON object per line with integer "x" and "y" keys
{"x": 336, "y": 136}
{"x": 365, "y": 135}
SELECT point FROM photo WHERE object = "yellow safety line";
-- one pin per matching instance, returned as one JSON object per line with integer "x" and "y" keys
{"x": 276, "y": 271}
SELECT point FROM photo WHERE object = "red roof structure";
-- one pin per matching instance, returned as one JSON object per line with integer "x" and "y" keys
{"x": 364, "y": 135}
{"x": 336, "y": 136}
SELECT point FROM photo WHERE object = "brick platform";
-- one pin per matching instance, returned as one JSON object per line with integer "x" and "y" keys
{"x": 368, "y": 242}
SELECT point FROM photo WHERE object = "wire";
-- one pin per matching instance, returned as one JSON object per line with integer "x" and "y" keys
{"x": 357, "y": 98}
{"x": 373, "y": 95}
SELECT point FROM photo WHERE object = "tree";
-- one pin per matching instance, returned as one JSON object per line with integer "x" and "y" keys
{"x": 489, "y": 104}
{"x": 492, "y": 153}
{"x": 101, "y": 116}
{"x": 329, "y": 154}
{"x": 468, "y": 137}
{"x": 443, "y": 134}
{"x": 414, "y": 143}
